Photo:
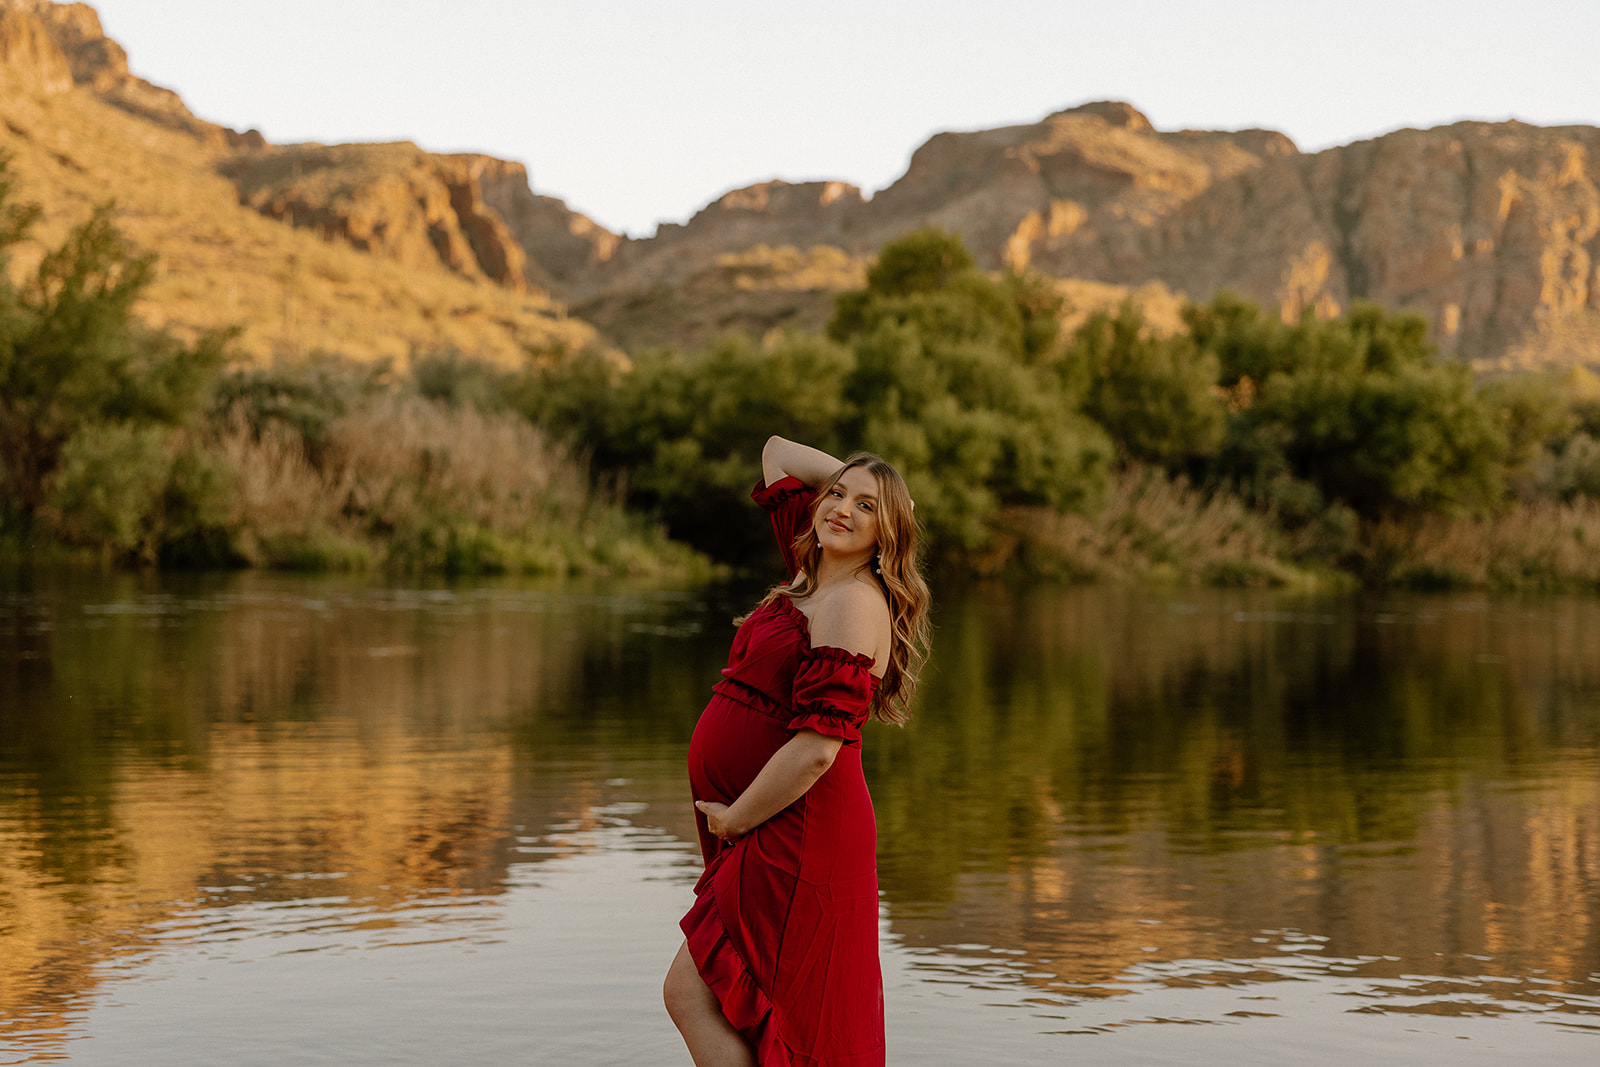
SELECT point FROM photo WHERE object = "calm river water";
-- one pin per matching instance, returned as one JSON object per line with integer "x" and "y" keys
{"x": 255, "y": 819}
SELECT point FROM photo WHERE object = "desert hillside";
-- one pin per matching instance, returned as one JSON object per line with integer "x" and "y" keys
{"x": 81, "y": 131}
{"x": 1491, "y": 230}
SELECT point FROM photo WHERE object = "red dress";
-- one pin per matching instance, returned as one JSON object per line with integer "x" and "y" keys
{"x": 784, "y": 927}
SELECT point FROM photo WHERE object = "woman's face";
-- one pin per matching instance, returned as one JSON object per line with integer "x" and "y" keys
{"x": 847, "y": 519}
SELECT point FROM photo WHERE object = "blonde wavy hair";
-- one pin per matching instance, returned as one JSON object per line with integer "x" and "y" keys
{"x": 897, "y": 571}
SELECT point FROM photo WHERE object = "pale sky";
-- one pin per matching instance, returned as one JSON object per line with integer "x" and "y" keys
{"x": 641, "y": 111}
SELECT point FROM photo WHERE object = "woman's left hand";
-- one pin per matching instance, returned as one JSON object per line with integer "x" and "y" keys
{"x": 717, "y": 821}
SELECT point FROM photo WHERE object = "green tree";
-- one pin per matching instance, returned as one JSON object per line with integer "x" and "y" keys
{"x": 1156, "y": 396}
{"x": 451, "y": 378}
{"x": 76, "y": 366}
{"x": 953, "y": 384}
{"x": 685, "y": 430}
{"x": 1538, "y": 420}
{"x": 948, "y": 373}
{"x": 1357, "y": 410}
{"x": 304, "y": 398}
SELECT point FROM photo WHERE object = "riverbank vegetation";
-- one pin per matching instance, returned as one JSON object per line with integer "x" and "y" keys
{"x": 122, "y": 443}
{"x": 1237, "y": 450}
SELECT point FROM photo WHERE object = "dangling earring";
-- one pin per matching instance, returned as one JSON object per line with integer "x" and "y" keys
{"x": 877, "y": 567}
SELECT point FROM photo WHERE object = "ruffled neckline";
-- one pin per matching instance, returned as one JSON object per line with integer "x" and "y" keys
{"x": 831, "y": 653}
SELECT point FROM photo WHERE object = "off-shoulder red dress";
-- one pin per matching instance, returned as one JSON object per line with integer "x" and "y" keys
{"x": 784, "y": 927}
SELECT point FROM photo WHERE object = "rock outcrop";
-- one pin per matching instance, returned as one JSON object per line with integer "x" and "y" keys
{"x": 474, "y": 214}
{"x": 755, "y": 290}
{"x": 1490, "y": 230}
{"x": 93, "y": 60}
{"x": 773, "y": 214}
{"x": 29, "y": 50}
{"x": 393, "y": 200}
{"x": 561, "y": 243}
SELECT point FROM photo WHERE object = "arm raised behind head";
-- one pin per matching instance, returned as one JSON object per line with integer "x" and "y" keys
{"x": 781, "y": 458}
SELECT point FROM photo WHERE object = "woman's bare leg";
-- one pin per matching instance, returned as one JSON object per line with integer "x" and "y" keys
{"x": 712, "y": 1040}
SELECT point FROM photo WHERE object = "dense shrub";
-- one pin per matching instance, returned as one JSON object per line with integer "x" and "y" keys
{"x": 1157, "y": 396}
{"x": 304, "y": 398}
{"x": 962, "y": 379}
{"x": 1242, "y": 449}
{"x": 93, "y": 405}
{"x": 686, "y": 429}
{"x": 338, "y": 468}
{"x": 460, "y": 381}
{"x": 1353, "y": 412}
{"x": 944, "y": 371}
{"x": 953, "y": 384}
{"x": 124, "y": 440}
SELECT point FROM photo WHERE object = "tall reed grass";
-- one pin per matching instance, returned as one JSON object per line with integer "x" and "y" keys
{"x": 1151, "y": 529}
{"x": 406, "y": 483}
{"x": 1545, "y": 546}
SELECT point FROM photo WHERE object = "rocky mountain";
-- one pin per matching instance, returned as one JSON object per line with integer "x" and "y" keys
{"x": 55, "y": 47}
{"x": 426, "y": 265}
{"x": 1491, "y": 230}
{"x": 393, "y": 200}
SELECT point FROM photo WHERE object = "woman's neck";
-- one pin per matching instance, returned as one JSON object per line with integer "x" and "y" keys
{"x": 833, "y": 569}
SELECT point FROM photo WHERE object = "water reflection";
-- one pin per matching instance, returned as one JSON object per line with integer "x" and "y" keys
{"x": 1114, "y": 808}
{"x": 1102, "y": 781}
{"x": 339, "y": 758}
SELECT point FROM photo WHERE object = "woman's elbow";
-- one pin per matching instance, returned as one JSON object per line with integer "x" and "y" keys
{"x": 821, "y": 751}
{"x": 772, "y": 465}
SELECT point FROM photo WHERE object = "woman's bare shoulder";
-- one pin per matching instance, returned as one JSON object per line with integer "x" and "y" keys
{"x": 854, "y": 617}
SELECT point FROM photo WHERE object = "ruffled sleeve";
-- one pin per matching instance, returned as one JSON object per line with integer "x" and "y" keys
{"x": 788, "y": 501}
{"x": 833, "y": 692}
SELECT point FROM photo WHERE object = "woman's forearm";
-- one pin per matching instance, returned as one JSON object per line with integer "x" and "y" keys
{"x": 783, "y": 457}
{"x": 791, "y": 771}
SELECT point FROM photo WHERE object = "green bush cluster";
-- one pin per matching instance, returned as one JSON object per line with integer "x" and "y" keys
{"x": 122, "y": 441}
{"x": 1327, "y": 429}
{"x": 97, "y": 412}
{"x": 934, "y": 365}
{"x": 1354, "y": 412}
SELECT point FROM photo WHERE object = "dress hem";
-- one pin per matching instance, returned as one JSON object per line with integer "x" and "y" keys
{"x": 744, "y": 1003}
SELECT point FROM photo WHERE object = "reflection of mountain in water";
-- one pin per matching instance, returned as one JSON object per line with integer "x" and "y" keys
{"x": 249, "y": 741}
{"x": 1105, "y": 787}
{"x": 1105, "y": 779}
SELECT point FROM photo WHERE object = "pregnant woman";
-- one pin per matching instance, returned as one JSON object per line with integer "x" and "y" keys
{"x": 779, "y": 966}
